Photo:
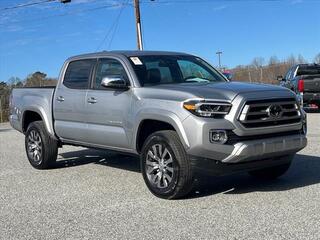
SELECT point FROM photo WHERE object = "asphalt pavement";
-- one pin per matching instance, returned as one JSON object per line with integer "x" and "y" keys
{"x": 101, "y": 195}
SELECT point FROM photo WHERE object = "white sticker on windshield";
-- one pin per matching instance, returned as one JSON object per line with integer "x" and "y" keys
{"x": 136, "y": 60}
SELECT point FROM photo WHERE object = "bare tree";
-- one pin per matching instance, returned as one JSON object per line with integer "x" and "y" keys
{"x": 257, "y": 62}
{"x": 301, "y": 59}
{"x": 273, "y": 60}
{"x": 291, "y": 60}
{"x": 317, "y": 58}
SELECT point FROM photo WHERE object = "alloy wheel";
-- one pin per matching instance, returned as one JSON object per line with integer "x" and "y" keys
{"x": 34, "y": 147}
{"x": 159, "y": 166}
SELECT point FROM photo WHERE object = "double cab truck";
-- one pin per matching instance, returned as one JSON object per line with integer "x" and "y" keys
{"x": 174, "y": 110}
{"x": 304, "y": 80}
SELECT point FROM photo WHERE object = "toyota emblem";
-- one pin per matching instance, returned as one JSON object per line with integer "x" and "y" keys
{"x": 275, "y": 111}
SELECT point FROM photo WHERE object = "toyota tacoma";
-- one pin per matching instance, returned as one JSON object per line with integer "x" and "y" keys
{"x": 174, "y": 110}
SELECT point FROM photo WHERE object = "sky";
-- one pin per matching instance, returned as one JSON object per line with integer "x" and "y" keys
{"x": 40, "y": 37}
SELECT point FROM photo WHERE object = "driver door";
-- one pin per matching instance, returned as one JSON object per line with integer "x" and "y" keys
{"x": 108, "y": 110}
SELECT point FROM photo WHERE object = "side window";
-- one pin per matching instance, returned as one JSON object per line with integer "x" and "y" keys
{"x": 295, "y": 70}
{"x": 108, "y": 67}
{"x": 78, "y": 74}
{"x": 288, "y": 75}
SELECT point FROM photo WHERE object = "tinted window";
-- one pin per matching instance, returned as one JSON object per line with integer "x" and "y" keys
{"x": 78, "y": 74}
{"x": 173, "y": 69}
{"x": 290, "y": 73}
{"x": 308, "y": 70}
{"x": 164, "y": 71}
{"x": 108, "y": 67}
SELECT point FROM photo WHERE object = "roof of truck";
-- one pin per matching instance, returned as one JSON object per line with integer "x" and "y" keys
{"x": 126, "y": 53}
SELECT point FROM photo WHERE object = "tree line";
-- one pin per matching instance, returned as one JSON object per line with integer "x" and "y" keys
{"x": 262, "y": 71}
{"x": 36, "y": 79}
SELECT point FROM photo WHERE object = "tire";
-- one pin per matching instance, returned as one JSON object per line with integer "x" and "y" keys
{"x": 272, "y": 172}
{"x": 165, "y": 165}
{"x": 41, "y": 149}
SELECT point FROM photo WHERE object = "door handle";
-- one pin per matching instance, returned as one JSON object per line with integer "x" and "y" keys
{"x": 60, "y": 99}
{"x": 92, "y": 100}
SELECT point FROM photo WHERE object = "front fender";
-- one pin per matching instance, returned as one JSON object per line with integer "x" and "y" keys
{"x": 164, "y": 116}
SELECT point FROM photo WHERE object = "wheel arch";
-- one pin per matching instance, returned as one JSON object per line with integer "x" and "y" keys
{"x": 35, "y": 114}
{"x": 160, "y": 121}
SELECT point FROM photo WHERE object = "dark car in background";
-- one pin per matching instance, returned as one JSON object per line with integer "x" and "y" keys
{"x": 304, "y": 80}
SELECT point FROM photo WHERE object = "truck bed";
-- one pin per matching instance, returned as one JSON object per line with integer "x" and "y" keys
{"x": 37, "y": 99}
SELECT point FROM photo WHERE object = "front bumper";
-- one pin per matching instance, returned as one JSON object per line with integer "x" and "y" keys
{"x": 266, "y": 148}
{"x": 251, "y": 155}
{"x": 246, "y": 147}
{"x": 252, "y": 150}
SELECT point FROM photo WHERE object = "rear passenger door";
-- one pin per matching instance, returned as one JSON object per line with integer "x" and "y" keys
{"x": 109, "y": 110}
{"x": 70, "y": 101}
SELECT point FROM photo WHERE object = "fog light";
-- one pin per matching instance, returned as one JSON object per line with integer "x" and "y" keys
{"x": 218, "y": 136}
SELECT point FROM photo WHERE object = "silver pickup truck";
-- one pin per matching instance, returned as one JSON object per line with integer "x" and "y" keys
{"x": 174, "y": 110}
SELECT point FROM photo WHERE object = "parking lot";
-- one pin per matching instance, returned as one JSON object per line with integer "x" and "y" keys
{"x": 99, "y": 195}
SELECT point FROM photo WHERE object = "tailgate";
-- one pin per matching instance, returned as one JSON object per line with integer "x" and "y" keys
{"x": 312, "y": 83}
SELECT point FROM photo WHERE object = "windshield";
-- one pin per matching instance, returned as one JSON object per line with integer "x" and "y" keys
{"x": 167, "y": 69}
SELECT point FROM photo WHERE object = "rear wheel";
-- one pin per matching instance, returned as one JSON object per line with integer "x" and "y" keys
{"x": 165, "y": 165}
{"x": 272, "y": 172}
{"x": 41, "y": 149}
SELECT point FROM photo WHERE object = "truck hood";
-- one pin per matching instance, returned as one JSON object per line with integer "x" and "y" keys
{"x": 219, "y": 91}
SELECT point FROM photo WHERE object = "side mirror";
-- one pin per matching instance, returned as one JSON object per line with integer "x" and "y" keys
{"x": 280, "y": 78}
{"x": 114, "y": 81}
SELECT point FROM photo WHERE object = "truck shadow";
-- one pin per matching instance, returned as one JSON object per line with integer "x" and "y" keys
{"x": 305, "y": 171}
{"x": 105, "y": 158}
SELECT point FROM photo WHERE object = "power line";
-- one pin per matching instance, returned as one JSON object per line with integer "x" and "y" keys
{"x": 116, "y": 26}
{"x": 112, "y": 26}
{"x": 26, "y": 5}
{"x": 66, "y": 14}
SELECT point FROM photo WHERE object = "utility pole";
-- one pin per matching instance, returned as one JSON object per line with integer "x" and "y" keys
{"x": 219, "y": 57}
{"x": 138, "y": 24}
{"x": 1, "y": 120}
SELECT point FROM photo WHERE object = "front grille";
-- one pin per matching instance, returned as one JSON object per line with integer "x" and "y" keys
{"x": 234, "y": 138}
{"x": 271, "y": 112}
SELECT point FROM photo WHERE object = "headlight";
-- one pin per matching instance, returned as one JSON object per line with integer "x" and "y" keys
{"x": 204, "y": 108}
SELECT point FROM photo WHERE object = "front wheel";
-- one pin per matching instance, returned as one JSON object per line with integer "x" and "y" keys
{"x": 165, "y": 165}
{"x": 41, "y": 149}
{"x": 272, "y": 172}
